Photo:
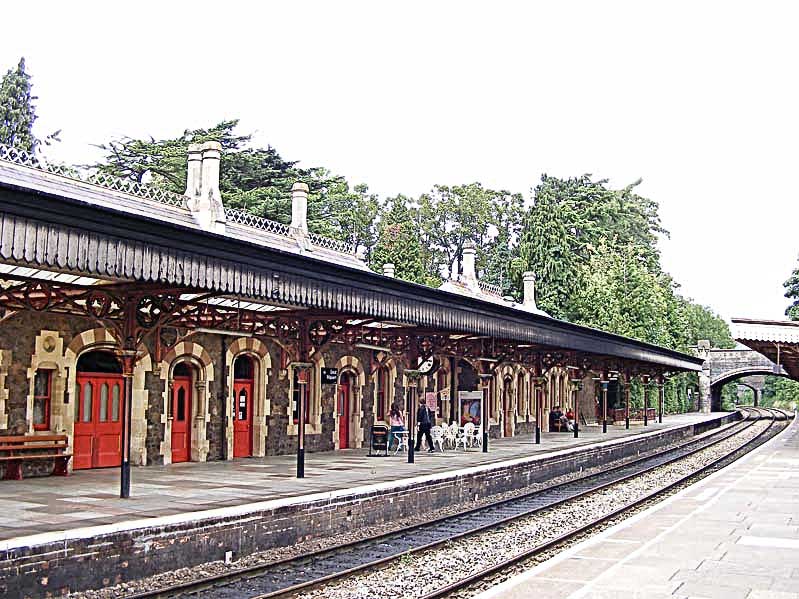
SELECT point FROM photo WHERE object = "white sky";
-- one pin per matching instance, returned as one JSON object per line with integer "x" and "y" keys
{"x": 698, "y": 98}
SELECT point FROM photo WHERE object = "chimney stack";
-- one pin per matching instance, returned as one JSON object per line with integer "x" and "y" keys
{"x": 202, "y": 186}
{"x": 388, "y": 270}
{"x": 299, "y": 207}
{"x": 528, "y": 279}
{"x": 468, "y": 270}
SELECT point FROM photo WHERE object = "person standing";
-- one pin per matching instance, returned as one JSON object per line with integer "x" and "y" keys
{"x": 425, "y": 419}
{"x": 397, "y": 423}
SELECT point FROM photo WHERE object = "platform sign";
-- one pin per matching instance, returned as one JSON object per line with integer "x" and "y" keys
{"x": 329, "y": 376}
{"x": 379, "y": 439}
{"x": 431, "y": 400}
{"x": 470, "y": 406}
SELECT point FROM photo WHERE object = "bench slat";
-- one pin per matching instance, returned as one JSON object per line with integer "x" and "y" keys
{"x": 25, "y": 458}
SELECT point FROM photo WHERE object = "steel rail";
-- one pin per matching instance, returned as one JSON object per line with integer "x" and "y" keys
{"x": 717, "y": 464}
{"x": 230, "y": 578}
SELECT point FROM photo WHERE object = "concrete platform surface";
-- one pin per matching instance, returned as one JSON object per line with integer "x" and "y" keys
{"x": 89, "y": 498}
{"x": 734, "y": 534}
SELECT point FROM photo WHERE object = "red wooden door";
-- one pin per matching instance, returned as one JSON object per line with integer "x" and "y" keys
{"x": 343, "y": 414}
{"x": 242, "y": 418}
{"x": 99, "y": 406}
{"x": 181, "y": 418}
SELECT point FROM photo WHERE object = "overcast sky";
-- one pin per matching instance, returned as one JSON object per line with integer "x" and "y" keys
{"x": 697, "y": 98}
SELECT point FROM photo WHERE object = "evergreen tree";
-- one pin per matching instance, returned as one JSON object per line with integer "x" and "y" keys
{"x": 17, "y": 112}
{"x": 399, "y": 243}
{"x": 792, "y": 293}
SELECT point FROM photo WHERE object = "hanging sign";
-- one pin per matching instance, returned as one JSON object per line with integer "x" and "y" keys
{"x": 444, "y": 394}
{"x": 329, "y": 376}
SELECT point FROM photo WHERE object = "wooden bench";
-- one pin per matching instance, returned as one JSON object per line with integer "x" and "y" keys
{"x": 27, "y": 448}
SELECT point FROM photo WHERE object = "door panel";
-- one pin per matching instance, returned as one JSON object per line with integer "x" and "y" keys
{"x": 181, "y": 419}
{"x": 242, "y": 418}
{"x": 97, "y": 441}
{"x": 343, "y": 416}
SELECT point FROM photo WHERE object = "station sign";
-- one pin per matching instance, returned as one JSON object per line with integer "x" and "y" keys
{"x": 329, "y": 376}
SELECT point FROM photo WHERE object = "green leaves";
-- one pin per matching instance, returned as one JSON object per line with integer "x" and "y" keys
{"x": 792, "y": 292}
{"x": 17, "y": 113}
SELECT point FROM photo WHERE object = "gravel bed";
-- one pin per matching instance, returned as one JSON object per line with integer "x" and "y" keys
{"x": 211, "y": 569}
{"x": 424, "y": 572}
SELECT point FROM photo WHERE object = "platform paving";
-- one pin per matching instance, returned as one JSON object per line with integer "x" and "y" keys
{"x": 733, "y": 535}
{"x": 91, "y": 497}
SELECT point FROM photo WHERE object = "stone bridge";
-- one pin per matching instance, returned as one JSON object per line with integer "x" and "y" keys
{"x": 726, "y": 365}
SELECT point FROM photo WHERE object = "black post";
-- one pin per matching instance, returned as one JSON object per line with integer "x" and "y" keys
{"x": 627, "y": 405}
{"x": 128, "y": 358}
{"x": 413, "y": 382}
{"x": 660, "y": 403}
{"x": 301, "y": 431}
{"x": 646, "y": 402}
{"x": 604, "y": 405}
{"x": 537, "y": 394}
{"x": 485, "y": 380}
{"x": 575, "y": 383}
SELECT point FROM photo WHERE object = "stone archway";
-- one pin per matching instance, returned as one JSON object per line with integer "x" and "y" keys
{"x": 92, "y": 340}
{"x": 353, "y": 365}
{"x": 259, "y": 352}
{"x": 200, "y": 359}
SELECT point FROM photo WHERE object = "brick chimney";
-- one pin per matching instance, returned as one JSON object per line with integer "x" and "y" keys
{"x": 468, "y": 274}
{"x": 528, "y": 278}
{"x": 299, "y": 216}
{"x": 202, "y": 186}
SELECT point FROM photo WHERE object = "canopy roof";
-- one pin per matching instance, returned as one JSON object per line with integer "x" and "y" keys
{"x": 60, "y": 225}
{"x": 778, "y": 340}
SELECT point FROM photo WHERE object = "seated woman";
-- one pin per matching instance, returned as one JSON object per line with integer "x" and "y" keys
{"x": 570, "y": 419}
{"x": 397, "y": 422}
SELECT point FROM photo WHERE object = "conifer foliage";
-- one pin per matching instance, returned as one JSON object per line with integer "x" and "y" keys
{"x": 17, "y": 112}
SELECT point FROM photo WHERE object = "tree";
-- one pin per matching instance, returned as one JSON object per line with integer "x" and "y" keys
{"x": 399, "y": 243}
{"x": 703, "y": 323}
{"x": 453, "y": 216}
{"x": 257, "y": 180}
{"x": 792, "y": 293}
{"x": 17, "y": 112}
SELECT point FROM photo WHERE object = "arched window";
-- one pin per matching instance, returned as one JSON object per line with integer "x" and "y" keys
{"x": 382, "y": 393}
{"x": 42, "y": 395}
{"x": 520, "y": 399}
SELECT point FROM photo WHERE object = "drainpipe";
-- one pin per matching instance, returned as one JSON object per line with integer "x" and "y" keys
{"x": 223, "y": 396}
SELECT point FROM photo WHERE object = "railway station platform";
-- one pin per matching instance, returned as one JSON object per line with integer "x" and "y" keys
{"x": 733, "y": 535}
{"x": 52, "y": 528}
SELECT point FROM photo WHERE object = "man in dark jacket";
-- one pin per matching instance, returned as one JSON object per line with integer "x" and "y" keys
{"x": 424, "y": 417}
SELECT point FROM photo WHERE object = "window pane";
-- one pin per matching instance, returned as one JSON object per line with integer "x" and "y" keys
{"x": 181, "y": 405}
{"x": 76, "y": 401}
{"x": 39, "y": 411}
{"x": 87, "y": 402}
{"x": 104, "y": 402}
{"x": 115, "y": 403}
{"x": 242, "y": 404}
{"x": 41, "y": 383}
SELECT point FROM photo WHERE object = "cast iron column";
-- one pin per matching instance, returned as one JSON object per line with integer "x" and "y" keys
{"x": 128, "y": 360}
{"x": 302, "y": 381}
{"x": 412, "y": 376}
{"x": 627, "y": 404}
{"x": 537, "y": 396}
{"x": 604, "y": 384}
{"x": 485, "y": 380}
{"x": 576, "y": 385}
{"x": 661, "y": 399}
{"x": 645, "y": 381}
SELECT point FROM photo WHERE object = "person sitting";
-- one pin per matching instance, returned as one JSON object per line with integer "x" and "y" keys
{"x": 555, "y": 422}
{"x": 397, "y": 422}
{"x": 570, "y": 419}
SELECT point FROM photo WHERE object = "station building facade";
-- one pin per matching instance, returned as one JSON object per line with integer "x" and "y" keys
{"x": 214, "y": 364}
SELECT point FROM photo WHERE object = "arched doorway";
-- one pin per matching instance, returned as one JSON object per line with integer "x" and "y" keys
{"x": 343, "y": 409}
{"x": 181, "y": 411}
{"x": 507, "y": 406}
{"x": 99, "y": 405}
{"x": 243, "y": 377}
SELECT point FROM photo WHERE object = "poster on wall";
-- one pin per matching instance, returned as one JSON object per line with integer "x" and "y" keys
{"x": 470, "y": 406}
{"x": 431, "y": 400}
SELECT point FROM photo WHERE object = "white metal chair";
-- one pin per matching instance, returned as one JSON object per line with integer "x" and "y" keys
{"x": 437, "y": 434}
{"x": 451, "y": 435}
{"x": 402, "y": 441}
{"x": 476, "y": 439}
{"x": 468, "y": 434}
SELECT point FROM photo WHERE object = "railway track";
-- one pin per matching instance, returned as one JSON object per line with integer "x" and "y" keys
{"x": 293, "y": 576}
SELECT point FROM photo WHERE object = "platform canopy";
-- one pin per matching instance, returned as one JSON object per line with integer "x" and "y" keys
{"x": 778, "y": 340}
{"x": 150, "y": 263}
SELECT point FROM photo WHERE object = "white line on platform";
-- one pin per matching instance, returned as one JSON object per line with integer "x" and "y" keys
{"x": 772, "y": 542}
